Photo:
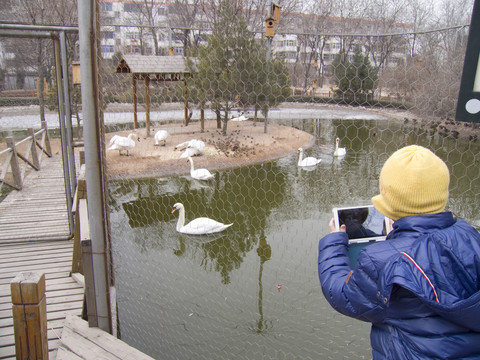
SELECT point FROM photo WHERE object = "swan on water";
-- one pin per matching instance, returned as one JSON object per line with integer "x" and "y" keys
{"x": 198, "y": 226}
{"x": 120, "y": 143}
{"x": 161, "y": 135}
{"x": 339, "y": 151}
{"x": 199, "y": 174}
{"x": 308, "y": 161}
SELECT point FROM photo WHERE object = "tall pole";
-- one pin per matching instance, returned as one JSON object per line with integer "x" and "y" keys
{"x": 63, "y": 135}
{"x": 267, "y": 105}
{"x": 68, "y": 113}
{"x": 93, "y": 159}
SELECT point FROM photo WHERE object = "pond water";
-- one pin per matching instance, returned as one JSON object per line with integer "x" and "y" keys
{"x": 252, "y": 291}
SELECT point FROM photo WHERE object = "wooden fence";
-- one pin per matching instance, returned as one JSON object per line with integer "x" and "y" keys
{"x": 13, "y": 173}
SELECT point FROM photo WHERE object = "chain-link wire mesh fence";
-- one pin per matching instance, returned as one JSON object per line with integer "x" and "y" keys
{"x": 252, "y": 291}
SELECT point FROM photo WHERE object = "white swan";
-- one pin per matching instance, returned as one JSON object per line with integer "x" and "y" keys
{"x": 308, "y": 161}
{"x": 242, "y": 117}
{"x": 199, "y": 174}
{"x": 161, "y": 135}
{"x": 198, "y": 226}
{"x": 339, "y": 151}
{"x": 192, "y": 148}
{"x": 123, "y": 143}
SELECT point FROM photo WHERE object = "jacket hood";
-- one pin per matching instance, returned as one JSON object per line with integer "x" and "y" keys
{"x": 442, "y": 267}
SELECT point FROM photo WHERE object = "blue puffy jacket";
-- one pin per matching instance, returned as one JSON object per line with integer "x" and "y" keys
{"x": 419, "y": 288}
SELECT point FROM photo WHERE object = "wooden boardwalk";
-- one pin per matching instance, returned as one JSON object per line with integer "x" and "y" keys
{"x": 63, "y": 294}
{"x": 39, "y": 210}
{"x": 35, "y": 236}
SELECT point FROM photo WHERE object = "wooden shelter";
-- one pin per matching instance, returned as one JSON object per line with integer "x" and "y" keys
{"x": 152, "y": 68}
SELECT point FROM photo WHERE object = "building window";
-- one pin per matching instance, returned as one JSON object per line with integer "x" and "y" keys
{"x": 179, "y": 51}
{"x": 107, "y": 35}
{"x": 336, "y": 46}
{"x": 132, "y": 35}
{"x": 130, "y": 7}
{"x": 106, "y": 6}
{"x": 161, "y": 11}
{"x": 106, "y": 49}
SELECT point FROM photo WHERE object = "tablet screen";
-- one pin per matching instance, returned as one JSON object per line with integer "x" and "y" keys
{"x": 363, "y": 223}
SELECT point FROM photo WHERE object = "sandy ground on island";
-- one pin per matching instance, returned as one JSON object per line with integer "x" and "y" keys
{"x": 245, "y": 143}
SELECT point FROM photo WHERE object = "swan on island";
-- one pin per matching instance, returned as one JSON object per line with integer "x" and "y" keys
{"x": 161, "y": 135}
{"x": 241, "y": 117}
{"x": 192, "y": 148}
{"x": 120, "y": 143}
{"x": 199, "y": 174}
{"x": 338, "y": 150}
{"x": 198, "y": 226}
{"x": 308, "y": 161}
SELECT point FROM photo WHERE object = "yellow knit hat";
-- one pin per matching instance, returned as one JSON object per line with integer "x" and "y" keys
{"x": 413, "y": 181}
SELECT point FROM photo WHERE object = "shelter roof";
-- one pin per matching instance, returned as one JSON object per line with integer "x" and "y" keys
{"x": 151, "y": 64}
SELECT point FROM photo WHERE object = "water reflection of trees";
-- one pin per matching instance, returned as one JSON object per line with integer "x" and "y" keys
{"x": 249, "y": 195}
{"x": 244, "y": 196}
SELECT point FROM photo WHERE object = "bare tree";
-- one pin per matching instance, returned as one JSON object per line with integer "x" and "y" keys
{"x": 184, "y": 15}
{"x": 38, "y": 53}
{"x": 145, "y": 12}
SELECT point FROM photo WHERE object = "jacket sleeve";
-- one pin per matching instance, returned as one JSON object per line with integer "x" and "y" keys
{"x": 354, "y": 294}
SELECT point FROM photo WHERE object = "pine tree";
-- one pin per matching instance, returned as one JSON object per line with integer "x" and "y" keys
{"x": 230, "y": 70}
{"x": 356, "y": 80}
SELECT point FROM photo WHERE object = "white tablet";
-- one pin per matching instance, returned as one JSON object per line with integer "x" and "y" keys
{"x": 363, "y": 223}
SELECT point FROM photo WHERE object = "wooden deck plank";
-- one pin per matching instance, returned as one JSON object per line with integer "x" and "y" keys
{"x": 39, "y": 210}
{"x": 32, "y": 247}
{"x": 39, "y": 259}
{"x": 63, "y": 294}
{"x": 93, "y": 343}
{"x": 7, "y": 275}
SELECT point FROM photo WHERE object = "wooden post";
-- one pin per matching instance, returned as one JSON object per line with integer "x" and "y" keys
{"x": 33, "y": 149}
{"x": 90, "y": 304}
{"x": 16, "y": 173}
{"x": 185, "y": 111}
{"x": 48, "y": 149}
{"x": 29, "y": 311}
{"x": 80, "y": 193}
{"x": 134, "y": 90}
{"x": 147, "y": 104}
{"x": 202, "y": 118}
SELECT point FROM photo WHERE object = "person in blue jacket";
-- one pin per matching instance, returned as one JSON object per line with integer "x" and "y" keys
{"x": 420, "y": 287}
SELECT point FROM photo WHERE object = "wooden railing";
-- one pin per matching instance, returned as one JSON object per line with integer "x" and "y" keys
{"x": 12, "y": 173}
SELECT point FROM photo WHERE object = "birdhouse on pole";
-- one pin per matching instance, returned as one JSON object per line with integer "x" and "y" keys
{"x": 76, "y": 78}
{"x": 275, "y": 11}
{"x": 269, "y": 26}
